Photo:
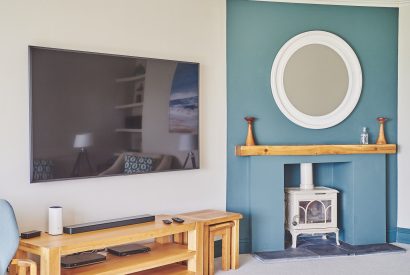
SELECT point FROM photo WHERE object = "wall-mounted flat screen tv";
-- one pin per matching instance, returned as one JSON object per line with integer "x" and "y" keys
{"x": 98, "y": 114}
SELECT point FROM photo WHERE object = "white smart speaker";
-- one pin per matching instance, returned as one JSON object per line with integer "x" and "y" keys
{"x": 55, "y": 220}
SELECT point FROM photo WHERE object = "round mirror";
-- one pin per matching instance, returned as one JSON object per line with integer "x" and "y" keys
{"x": 316, "y": 79}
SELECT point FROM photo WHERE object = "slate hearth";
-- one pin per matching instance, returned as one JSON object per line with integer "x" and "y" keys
{"x": 315, "y": 247}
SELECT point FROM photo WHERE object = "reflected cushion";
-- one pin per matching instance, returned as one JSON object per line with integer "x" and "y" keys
{"x": 137, "y": 164}
{"x": 42, "y": 169}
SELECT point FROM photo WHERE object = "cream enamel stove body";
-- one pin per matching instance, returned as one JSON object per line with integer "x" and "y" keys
{"x": 309, "y": 209}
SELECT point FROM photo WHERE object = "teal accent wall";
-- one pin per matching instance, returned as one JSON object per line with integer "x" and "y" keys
{"x": 403, "y": 235}
{"x": 255, "y": 33}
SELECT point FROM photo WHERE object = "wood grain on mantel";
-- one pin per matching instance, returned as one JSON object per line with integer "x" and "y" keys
{"x": 314, "y": 150}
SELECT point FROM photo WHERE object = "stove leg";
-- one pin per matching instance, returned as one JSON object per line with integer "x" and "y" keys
{"x": 294, "y": 239}
{"x": 337, "y": 237}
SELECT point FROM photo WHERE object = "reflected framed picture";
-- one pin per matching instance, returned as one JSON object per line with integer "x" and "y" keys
{"x": 183, "y": 103}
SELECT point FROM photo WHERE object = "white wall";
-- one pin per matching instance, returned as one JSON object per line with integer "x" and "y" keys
{"x": 404, "y": 116}
{"x": 178, "y": 29}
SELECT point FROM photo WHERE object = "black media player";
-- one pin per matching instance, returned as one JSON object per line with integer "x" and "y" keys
{"x": 128, "y": 249}
{"x": 82, "y": 259}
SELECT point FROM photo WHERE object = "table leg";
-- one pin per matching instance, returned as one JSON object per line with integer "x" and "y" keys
{"x": 20, "y": 254}
{"x": 211, "y": 256}
{"x": 195, "y": 243}
{"x": 164, "y": 240}
{"x": 235, "y": 245}
{"x": 179, "y": 238}
{"x": 50, "y": 261}
{"x": 226, "y": 249}
{"x": 200, "y": 248}
{"x": 206, "y": 249}
{"x": 185, "y": 238}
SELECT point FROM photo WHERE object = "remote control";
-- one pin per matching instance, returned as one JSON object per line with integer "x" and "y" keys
{"x": 178, "y": 220}
{"x": 30, "y": 234}
{"x": 167, "y": 221}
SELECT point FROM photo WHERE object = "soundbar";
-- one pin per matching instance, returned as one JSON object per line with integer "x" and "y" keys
{"x": 92, "y": 226}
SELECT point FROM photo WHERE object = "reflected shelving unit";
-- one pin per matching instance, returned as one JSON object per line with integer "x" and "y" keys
{"x": 132, "y": 106}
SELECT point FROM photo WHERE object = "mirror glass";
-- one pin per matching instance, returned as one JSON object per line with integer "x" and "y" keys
{"x": 316, "y": 80}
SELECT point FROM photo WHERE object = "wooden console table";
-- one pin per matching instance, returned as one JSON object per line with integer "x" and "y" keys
{"x": 162, "y": 259}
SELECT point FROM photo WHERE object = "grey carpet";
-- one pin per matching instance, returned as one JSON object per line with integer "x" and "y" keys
{"x": 371, "y": 264}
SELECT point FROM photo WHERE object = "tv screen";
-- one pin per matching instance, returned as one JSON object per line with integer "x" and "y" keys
{"x": 100, "y": 115}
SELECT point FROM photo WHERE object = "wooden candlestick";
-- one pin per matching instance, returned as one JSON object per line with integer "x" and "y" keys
{"x": 381, "y": 139}
{"x": 249, "y": 137}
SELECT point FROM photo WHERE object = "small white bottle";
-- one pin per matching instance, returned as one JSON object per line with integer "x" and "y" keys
{"x": 364, "y": 136}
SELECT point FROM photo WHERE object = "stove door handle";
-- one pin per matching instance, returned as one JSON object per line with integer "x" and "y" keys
{"x": 295, "y": 220}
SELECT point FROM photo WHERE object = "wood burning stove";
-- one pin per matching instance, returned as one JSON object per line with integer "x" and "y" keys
{"x": 309, "y": 209}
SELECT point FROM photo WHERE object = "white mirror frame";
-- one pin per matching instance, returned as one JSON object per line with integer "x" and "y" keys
{"x": 353, "y": 69}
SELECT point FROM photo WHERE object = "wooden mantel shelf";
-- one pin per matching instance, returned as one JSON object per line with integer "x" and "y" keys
{"x": 314, "y": 150}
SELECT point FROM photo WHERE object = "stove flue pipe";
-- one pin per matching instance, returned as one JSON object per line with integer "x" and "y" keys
{"x": 306, "y": 176}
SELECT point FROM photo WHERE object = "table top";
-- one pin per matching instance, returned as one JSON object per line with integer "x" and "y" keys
{"x": 210, "y": 216}
{"x": 72, "y": 243}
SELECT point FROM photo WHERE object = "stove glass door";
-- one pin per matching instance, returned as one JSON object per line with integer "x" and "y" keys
{"x": 316, "y": 211}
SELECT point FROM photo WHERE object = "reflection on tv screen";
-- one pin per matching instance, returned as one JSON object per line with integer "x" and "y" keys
{"x": 101, "y": 115}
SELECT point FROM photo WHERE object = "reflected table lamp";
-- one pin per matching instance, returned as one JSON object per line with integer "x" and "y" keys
{"x": 189, "y": 143}
{"x": 82, "y": 142}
